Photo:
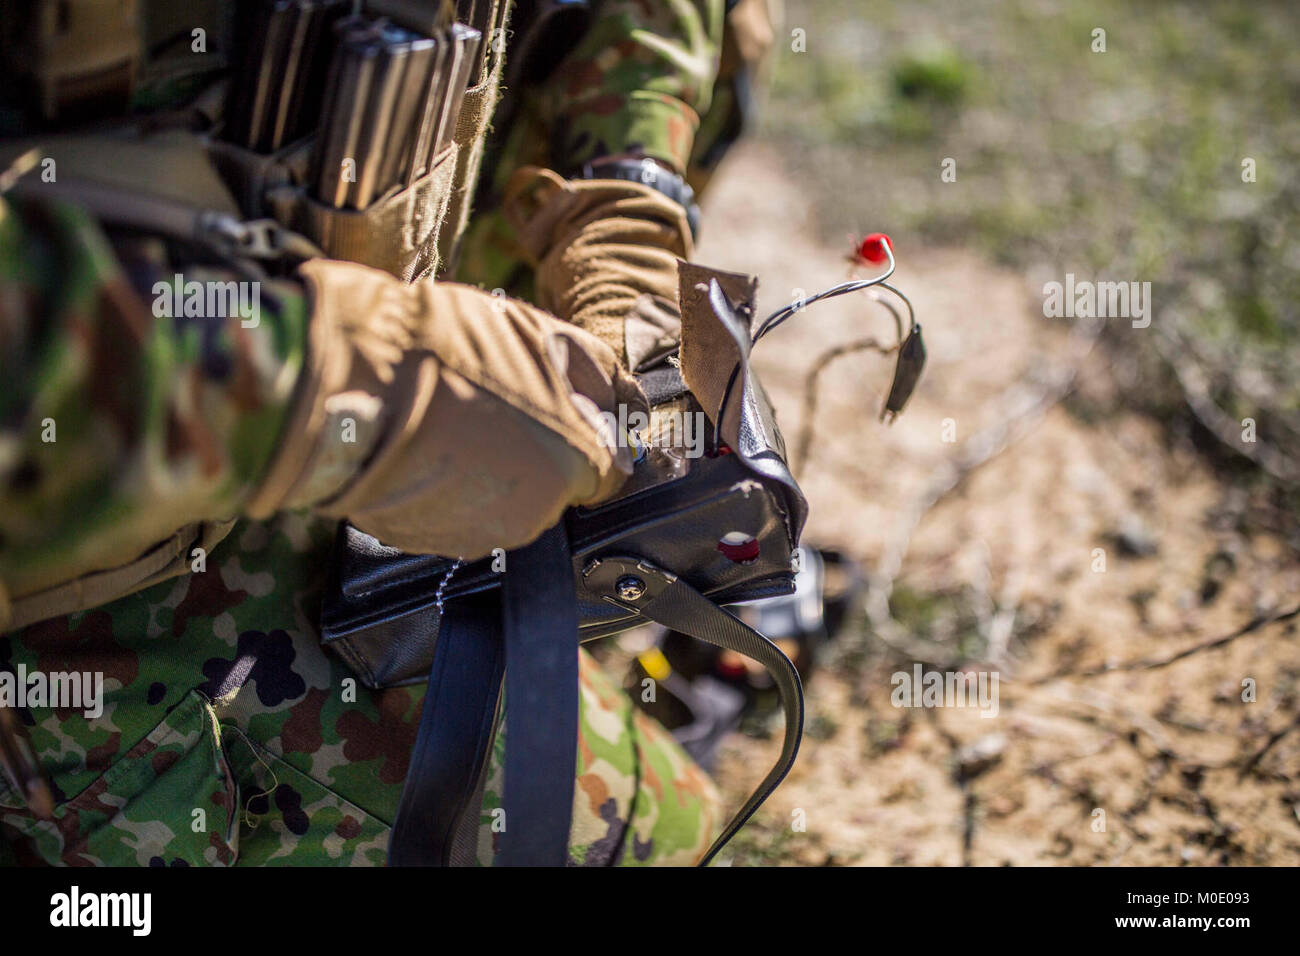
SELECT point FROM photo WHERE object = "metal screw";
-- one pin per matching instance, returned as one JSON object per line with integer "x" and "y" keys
{"x": 629, "y": 587}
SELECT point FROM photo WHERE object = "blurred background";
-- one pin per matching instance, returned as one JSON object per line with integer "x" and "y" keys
{"x": 1105, "y": 516}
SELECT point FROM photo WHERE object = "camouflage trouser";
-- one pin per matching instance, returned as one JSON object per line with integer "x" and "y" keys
{"x": 229, "y": 736}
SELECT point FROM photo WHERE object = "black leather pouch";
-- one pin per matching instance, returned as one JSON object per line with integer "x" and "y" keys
{"x": 726, "y": 522}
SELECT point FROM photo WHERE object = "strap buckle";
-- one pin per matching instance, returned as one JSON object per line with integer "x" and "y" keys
{"x": 254, "y": 238}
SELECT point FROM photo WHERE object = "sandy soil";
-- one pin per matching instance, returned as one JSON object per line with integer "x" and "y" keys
{"x": 1099, "y": 752}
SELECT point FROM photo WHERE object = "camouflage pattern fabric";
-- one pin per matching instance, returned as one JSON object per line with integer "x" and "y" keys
{"x": 228, "y": 736}
{"x": 117, "y": 425}
{"x": 636, "y": 84}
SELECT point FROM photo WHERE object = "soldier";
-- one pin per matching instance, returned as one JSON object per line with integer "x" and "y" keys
{"x": 170, "y": 484}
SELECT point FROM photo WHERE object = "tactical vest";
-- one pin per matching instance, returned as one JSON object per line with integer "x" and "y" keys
{"x": 155, "y": 173}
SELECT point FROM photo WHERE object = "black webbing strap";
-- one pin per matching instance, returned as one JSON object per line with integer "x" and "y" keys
{"x": 529, "y": 630}
{"x": 460, "y": 705}
{"x": 666, "y": 599}
{"x": 541, "y": 625}
{"x": 537, "y": 610}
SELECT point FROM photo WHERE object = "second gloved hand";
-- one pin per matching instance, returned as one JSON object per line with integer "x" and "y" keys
{"x": 603, "y": 250}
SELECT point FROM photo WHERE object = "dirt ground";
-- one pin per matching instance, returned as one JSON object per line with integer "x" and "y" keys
{"x": 1108, "y": 747}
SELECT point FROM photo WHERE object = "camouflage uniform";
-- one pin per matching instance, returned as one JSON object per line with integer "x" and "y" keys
{"x": 619, "y": 91}
{"x": 228, "y": 735}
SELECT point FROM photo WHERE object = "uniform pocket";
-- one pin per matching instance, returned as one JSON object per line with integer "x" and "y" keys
{"x": 170, "y": 800}
{"x": 291, "y": 819}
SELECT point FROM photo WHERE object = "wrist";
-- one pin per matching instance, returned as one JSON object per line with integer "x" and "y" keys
{"x": 651, "y": 172}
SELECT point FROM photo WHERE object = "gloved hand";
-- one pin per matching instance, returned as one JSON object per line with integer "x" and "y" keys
{"x": 603, "y": 249}
{"x": 445, "y": 420}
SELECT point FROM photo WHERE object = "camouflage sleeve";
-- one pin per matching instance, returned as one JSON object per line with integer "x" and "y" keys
{"x": 120, "y": 420}
{"x": 637, "y": 82}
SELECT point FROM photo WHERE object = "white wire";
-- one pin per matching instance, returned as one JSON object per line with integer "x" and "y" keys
{"x": 780, "y": 315}
{"x": 853, "y": 285}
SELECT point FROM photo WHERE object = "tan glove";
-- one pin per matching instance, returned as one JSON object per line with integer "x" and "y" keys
{"x": 445, "y": 420}
{"x": 601, "y": 248}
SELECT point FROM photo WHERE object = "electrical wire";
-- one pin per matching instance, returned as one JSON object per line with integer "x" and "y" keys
{"x": 785, "y": 312}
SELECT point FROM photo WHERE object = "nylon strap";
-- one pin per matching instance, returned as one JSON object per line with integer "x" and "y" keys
{"x": 455, "y": 734}
{"x": 537, "y": 611}
{"x": 541, "y": 625}
{"x": 529, "y": 631}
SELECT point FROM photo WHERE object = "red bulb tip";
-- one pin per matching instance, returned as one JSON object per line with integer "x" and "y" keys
{"x": 872, "y": 247}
